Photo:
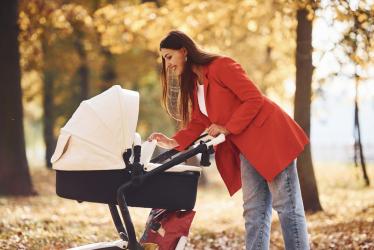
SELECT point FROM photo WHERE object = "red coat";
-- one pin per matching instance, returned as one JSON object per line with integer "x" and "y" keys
{"x": 260, "y": 130}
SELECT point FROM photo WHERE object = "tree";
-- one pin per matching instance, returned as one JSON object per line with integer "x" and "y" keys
{"x": 358, "y": 149}
{"x": 353, "y": 51}
{"x": 303, "y": 95}
{"x": 14, "y": 173}
{"x": 49, "y": 79}
{"x": 357, "y": 45}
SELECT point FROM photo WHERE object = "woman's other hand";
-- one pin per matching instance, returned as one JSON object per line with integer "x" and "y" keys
{"x": 214, "y": 130}
{"x": 163, "y": 141}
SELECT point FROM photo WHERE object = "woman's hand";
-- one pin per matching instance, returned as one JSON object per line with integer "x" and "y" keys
{"x": 214, "y": 130}
{"x": 163, "y": 141}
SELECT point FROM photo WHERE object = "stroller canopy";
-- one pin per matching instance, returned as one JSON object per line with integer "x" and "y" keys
{"x": 99, "y": 131}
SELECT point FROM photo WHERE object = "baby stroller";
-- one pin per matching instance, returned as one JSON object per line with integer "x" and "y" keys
{"x": 99, "y": 158}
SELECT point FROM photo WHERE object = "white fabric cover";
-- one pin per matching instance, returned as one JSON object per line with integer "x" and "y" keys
{"x": 99, "y": 131}
{"x": 148, "y": 147}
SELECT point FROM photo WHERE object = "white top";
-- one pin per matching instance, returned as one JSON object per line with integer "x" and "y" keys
{"x": 201, "y": 99}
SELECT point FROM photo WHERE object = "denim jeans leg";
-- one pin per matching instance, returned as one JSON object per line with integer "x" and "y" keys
{"x": 257, "y": 207}
{"x": 287, "y": 201}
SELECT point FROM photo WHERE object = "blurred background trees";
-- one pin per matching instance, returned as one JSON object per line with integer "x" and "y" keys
{"x": 357, "y": 47}
{"x": 72, "y": 50}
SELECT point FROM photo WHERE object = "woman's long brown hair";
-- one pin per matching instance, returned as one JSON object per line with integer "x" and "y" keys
{"x": 195, "y": 56}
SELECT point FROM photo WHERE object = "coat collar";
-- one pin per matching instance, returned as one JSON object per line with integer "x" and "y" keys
{"x": 205, "y": 70}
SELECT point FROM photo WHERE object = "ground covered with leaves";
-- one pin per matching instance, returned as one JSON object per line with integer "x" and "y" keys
{"x": 49, "y": 222}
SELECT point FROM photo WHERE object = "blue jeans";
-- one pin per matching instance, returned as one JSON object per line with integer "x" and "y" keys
{"x": 284, "y": 195}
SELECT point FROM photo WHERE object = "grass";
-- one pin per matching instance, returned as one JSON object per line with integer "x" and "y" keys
{"x": 49, "y": 222}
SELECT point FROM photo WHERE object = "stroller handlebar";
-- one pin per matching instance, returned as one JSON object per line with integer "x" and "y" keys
{"x": 212, "y": 141}
{"x": 216, "y": 140}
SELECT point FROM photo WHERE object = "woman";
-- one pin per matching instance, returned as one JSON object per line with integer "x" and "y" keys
{"x": 262, "y": 141}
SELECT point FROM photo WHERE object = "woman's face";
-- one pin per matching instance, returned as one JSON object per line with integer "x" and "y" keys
{"x": 174, "y": 59}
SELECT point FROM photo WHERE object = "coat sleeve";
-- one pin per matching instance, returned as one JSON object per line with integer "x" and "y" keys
{"x": 232, "y": 75}
{"x": 194, "y": 128}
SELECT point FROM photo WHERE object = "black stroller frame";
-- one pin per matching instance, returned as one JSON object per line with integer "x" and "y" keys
{"x": 126, "y": 228}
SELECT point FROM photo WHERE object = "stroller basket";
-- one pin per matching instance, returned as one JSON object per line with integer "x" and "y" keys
{"x": 169, "y": 190}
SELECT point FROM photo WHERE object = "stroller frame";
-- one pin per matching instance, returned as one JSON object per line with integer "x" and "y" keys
{"x": 125, "y": 226}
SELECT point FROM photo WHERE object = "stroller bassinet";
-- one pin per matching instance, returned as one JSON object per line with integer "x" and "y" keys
{"x": 99, "y": 158}
{"x": 167, "y": 190}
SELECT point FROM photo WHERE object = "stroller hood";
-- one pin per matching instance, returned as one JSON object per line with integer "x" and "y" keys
{"x": 99, "y": 131}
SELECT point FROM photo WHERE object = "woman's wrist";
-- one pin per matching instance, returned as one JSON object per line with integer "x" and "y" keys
{"x": 173, "y": 143}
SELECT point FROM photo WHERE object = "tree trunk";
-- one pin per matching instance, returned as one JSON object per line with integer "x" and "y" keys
{"x": 48, "y": 107}
{"x": 109, "y": 74}
{"x": 304, "y": 72}
{"x": 14, "y": 173}
{"x": 83, "y": 70}
{"x": 358, "y": 150}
